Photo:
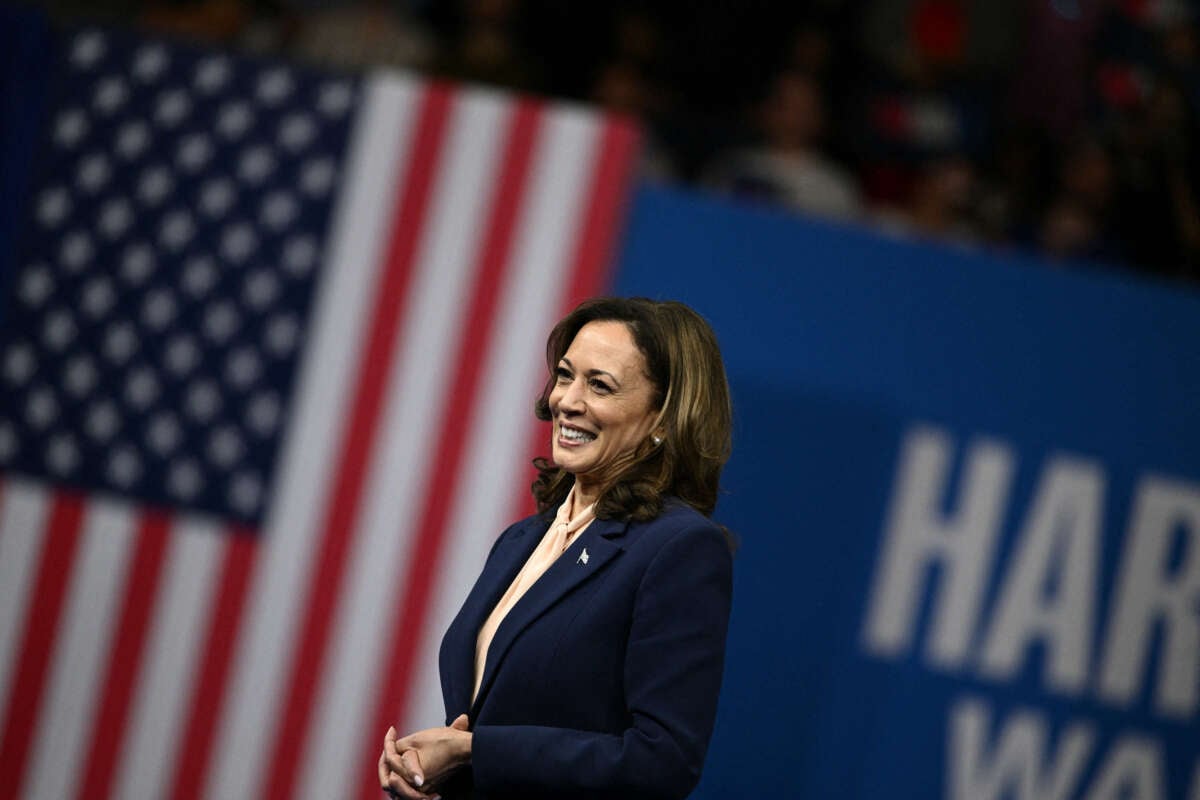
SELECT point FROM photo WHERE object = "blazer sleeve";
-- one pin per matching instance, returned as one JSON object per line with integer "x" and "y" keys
{"x": 673, "y": 665}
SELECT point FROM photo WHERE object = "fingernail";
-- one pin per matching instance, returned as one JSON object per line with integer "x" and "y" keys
{"x": 392, "y": 730}
{"x": 418, "y": 780}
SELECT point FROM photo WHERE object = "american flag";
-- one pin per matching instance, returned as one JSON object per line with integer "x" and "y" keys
{"x": 267, "y": 363}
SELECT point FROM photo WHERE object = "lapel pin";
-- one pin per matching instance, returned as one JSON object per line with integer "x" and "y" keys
{"x": 583, "y": 557}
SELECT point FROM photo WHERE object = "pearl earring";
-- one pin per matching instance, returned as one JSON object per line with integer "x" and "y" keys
{"x": 657, "y": 440}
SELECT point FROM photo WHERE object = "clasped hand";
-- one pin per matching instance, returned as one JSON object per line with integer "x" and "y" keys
{"x": 413, "y": 767}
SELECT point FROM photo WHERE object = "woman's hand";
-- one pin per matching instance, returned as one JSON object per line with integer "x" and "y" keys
{"x": 423, "y": 759}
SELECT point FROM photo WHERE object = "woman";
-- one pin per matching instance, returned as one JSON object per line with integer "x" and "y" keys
{"x": 587, "y": 659}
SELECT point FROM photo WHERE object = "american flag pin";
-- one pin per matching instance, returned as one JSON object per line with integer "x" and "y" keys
{"x": 583, "y": 557}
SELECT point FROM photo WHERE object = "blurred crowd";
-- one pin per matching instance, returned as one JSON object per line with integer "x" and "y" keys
{"x": 1064, "y": 127}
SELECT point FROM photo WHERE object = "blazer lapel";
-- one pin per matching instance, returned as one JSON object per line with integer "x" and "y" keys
{"x": 498, "y": 573}
{"x": 569, "y": 570}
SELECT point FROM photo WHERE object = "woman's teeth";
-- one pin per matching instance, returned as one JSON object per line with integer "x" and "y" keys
{"x": 576, "y": 435}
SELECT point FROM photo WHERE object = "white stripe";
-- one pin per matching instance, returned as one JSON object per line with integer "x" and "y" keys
{"x": 23, "y": 510}
{"x": 174, "y": 650}
{"x": 358, "y": 238}
{"x": 426, "y": 362}
{"x": 483, "y": 500}
{"x": 80, "y": 653}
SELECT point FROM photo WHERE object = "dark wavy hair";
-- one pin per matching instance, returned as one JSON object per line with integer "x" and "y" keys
{"x": 691, "y": 395}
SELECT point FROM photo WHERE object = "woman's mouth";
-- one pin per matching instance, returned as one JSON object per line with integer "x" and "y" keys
{"x": 574, "y": 436}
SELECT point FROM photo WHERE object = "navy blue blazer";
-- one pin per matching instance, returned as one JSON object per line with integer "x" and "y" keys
{"x": 602, "y": 681}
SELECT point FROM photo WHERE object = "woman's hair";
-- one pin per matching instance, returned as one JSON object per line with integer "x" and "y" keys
{"x": 691, "y": 396}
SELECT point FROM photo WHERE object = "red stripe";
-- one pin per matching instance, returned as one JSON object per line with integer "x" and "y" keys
{"x": 195, "y": 747}
{"x": 412, "y": 605}
{"x": 594, "y": 251}
{"x": 374, "y": 370}
{"x": 41, "y": 629}
{"x": 125, "y": 658}
{"x": 610, "y": 187}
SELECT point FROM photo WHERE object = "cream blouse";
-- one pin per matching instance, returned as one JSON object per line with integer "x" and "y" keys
{"x": 558, "y": 538}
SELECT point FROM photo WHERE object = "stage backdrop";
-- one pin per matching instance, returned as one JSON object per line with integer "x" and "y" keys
{"x": 968, "y": 492}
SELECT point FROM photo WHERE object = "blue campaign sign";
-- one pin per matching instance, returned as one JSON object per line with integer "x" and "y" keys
{"x": 968, "y": 491}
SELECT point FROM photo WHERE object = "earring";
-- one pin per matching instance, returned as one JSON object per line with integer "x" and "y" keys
{"x": 656, "y": 440}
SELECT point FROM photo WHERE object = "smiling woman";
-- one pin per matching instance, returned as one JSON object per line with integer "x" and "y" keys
{"x": 587, "y": 659}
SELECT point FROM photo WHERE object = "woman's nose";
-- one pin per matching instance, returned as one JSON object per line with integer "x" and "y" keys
{"x": 572, "y": 398}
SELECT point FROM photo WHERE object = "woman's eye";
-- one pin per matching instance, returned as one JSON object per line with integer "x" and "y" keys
{"x": 601, "y": 386}
{"x": 562, "y": 375}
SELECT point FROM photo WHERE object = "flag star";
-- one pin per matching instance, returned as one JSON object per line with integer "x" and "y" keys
{"x": 158, "y": 309}
{"x": 334, "y": 99}
{"x": 255, "y": 164}
{"x": 41, "y": 408}
{"x": 19, "y": 364}
{"x": 94, "y": 172}
{"x": 177, "y": 229}
{"x": 297, "y": 131}
{"x": 115, "y": 217}
{"x": 278, "y": 210}
{"x": 245, "y": 492}
{"x": 87, "y": 49}
{"x": 262, "y": 415}
{"x": 102, "y": 421}
{"x": 220, "y": 321}
{"x": 70, "y": 127}
{"x": 171, "y": 107}
{"x": 194, "y": 152}
{"x": 225, "y": 447}
{"x": 111, "y": 94}
{"x": 184, "y": 479}
{"x": 164, "y": 434}
{"x": 260, "y": 289}
{"x": 53, "y": 206}
{"x": 274, "y": 86}
{"x": 9, "y": 443}
{"x": 150, "y": 62}
{"x": 282, "y": 334}
{"x": 182, "y": 354}
{"x": 316, "y": 176}
{"x": 238, "y": 242}
{"x": 199, "y": 276}
{"x": 154, "y": 184}
{"x": 212, "y": 74}
{"x": 137, "y": 263}
{"x": 216, "y": 196}
{"x": 202, "y": 400}
{"x": 141, "y": 388}
{"x": 124, "y": 466}
{"x": 132, "y": 139}
{"x": 62, "y": 454}
{"x": 76, "y": 251}
{"x": 299, "y": 255}
{"x": 234, "y": 119}
{"x": 36, "y": 285}
{"x": 80, "y": 376}
{"x": 120, "y": 342}
{"x": 243, "y": 367}
{"x": 97, "y": 297}
{"x": 58, "y": 330}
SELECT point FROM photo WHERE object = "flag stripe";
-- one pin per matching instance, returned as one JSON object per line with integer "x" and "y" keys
{"x": 491, "y": 479}
{"x": 398, "y": 475}
{"x": 373, "y": 372}
{"x": 175, "y": 648}
{"x": 195, "y": 745}
{"x": 84, "y": 635}
{"x": 377, "y": 165}
{"x": 125, "y": 657}
{"x": 23, "y": 508}
{"x": 41, "y": 628}
{"x": 457, "y": 421}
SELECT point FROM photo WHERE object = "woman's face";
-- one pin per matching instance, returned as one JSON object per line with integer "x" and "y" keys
{"x": 601, "y": 403}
